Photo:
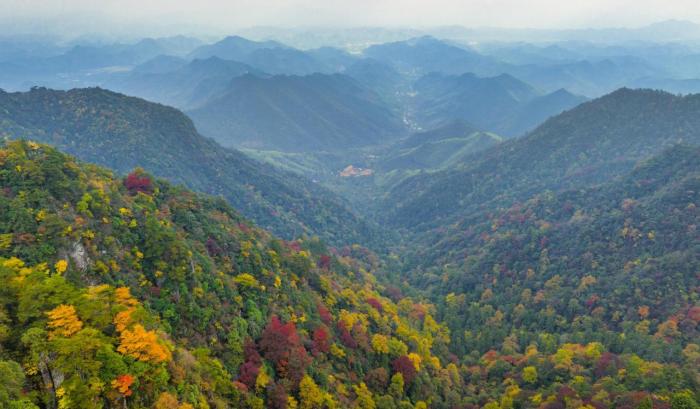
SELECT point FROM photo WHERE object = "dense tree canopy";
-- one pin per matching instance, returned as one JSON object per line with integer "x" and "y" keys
{"x": 134, "y": 292}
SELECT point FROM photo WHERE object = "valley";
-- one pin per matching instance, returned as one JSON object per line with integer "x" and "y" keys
{"x": 420, "y": 221}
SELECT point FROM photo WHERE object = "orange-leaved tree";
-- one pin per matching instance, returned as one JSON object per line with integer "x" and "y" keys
{"x": 143, "y": 345}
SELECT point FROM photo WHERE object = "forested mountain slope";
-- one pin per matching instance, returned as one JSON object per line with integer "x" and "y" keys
{"x": 380, "y": 78}
{"x": 123, "y": 133}
{"x": 616, "y": 265}
{"x": 297, "y": 113}
{"x": 209, "y": 311}
{"x": 589, "y": 144}
{"x": 440, "y": 148}
{"x": 132, "y": 292}
{"x": 501, "y": 104}
{"x": 579, "y": 237}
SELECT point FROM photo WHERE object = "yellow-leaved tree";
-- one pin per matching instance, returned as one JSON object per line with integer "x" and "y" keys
{"x": 64, "y": 321}
{"x": 123, "y": 296}
{"x": 143, "y": 345}
{"x": 313, "y": 397}
{"x": 61, "y": 266}
{"x": 123, "y": 319}
{"x": 380, "y": 343}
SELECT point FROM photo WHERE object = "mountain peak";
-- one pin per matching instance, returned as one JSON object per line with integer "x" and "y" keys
{"x": 317, "y": 111}
{"x": 245, "y": 42}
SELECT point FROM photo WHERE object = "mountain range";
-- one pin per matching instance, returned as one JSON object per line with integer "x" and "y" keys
{"x": 556, "y": 277}
{"x": 400, "y": 87}
{"x": 416, "y": 224}
{"x": 123, "y": 133}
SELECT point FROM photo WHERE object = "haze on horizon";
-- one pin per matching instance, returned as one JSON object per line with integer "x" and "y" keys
{"x": 73, "y": 18}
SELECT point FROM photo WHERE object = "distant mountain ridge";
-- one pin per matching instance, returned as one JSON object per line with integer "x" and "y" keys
{"x": 231, "y": 48}
{"x": 296, "y": 113}
{"x": 502, "y": 104}
{"x": 423, "y": 55}
{"x": 184, "y": 84}
{"x": 269, "y": 56}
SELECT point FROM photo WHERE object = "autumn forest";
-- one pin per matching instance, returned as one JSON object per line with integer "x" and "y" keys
{"x": 447, "y": 218}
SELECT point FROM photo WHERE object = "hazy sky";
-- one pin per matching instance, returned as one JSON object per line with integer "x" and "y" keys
{"x": 215, "y": 16}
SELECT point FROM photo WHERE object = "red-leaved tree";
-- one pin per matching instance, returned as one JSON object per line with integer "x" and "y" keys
{"x": 248, "y": 372}
{"x": 324, "y": 262}
{"x": 281, "y": 345}
{"x": 345, "y": 336}
{"x": 325, "y": 315}
{"x": 320, "y": 341}
{"x": 375, "y": 303}
{"x": 137, "y": 181}
{"x": 404, "y": 366}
